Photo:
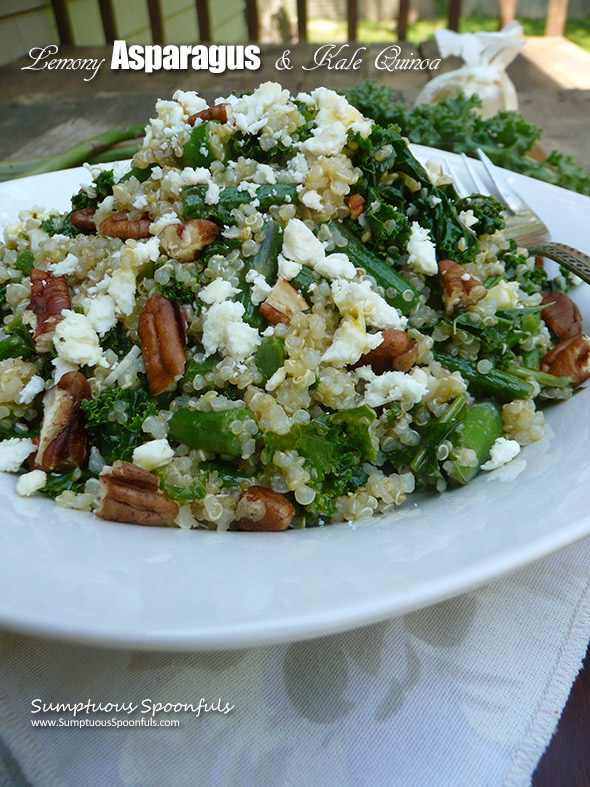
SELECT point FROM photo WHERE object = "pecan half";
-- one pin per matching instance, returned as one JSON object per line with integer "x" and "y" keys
{"x": 460, "y": 288}
{"x": 260, "y": 508}
{"x": 218, "y": 112}
{"x": 162, "y": 332}
{"x": 356, "y": 205}
{"x": 283, "y": 302}
{"x": 119, "y": 225}
{"x": 83, "y": 219}
{"x": 49, "y": 297}
{"x": 561, "y": 315}
{"x": 570, "y": 358}
{"x": 62, "y": 442}
{"x": 131, "y": 494}
{"x": 396, "y": 353}
{"x": 183, "y": 242}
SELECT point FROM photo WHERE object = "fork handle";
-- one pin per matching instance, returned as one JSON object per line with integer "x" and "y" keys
{"x": 575, "y": 261}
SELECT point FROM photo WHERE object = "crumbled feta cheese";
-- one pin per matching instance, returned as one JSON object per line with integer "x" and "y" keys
{"x": 261, "y": 289}
{"x": 157, "y": 226}
{"x": 358, "y": 299}
{"x": 265, "y": 174}
{"x": 249, "y": 113}
{"x": 409, "y": 389}
{"x": 212, "y": 195}
{"x": 224, "y": 330}
{"x": 334, "y": 108}
{"x": 65, "y": 267}
{"x": 144, "y": 251}
{"x": 468, "y": 219}
{"x": 277, "y": 378}
{"x": 140, "y": 202}
{"x": 192, "y": 176}
{"x": 287, "y": 268}
{"x": 312, "y": 200}
{"x": 300, "y": 244}
{"x": 155, "y": 453}
{"x": 76, "y": 340}
{"x": 217, "y": 291}
{"x": 336, "y": 266}
{"x": 502, "y": 452}
{"x": 13, "y": 453}
{"x": 29, "y": 483}
{"x": 122, "y": 289}
{"x": 298, "y": 168}
{"x": 100, "y": 310}
{"x": 350, "y": 341}
{"x": 251, "y": 188}
{"x": 108, "y": 203}
{"x": 421, "y": 250}
{"x": 190, "y": 101}
{"x": 505, "y": 293}
{"x": 35, "y": 385}
{"x": 326, "y": 140}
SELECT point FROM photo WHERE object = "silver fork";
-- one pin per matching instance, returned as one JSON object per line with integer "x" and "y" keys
{"x": 522, "y": 223}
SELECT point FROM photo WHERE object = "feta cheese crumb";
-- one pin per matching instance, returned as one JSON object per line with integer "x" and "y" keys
{"x": 13, "y": 453}
{"x": 217, "y": 291}
{"x": 350, "y": 341}
{"x": 502, "y": 452}
{"x": 224, "y": 330}
{"x": 468, "y": 219}
{"x": 100, "y": 310}
{"x": 421, "y": 250}
{"x": 155, "y": 453}
{"x": 312, "y": 200}
{"x": 261, "y": 289}
{"x": 505, "y": 293}
{"x": 300, "y": 244}
{"x": 336, "y": 266}
{"x": 76, "y": 340}
{"x": 358, "y": 299}
{"x": 29, "y": 483}
{"x": 287, "y": 268}
{"x": 65, "y": 267}
{"x": 326, "y": 140}
{"x": 35, "y": 385}
{"x": 409, "y": 389}
{"x": 121, "y": 288}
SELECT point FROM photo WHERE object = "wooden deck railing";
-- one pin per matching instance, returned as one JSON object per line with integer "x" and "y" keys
{"x": 555, "y": 25}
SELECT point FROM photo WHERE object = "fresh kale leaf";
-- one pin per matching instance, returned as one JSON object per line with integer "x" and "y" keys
{"x": 57, "y": 483}
{"x": 103, "y": 186}
{"x": 113, "y": 439}
{"x": 59, "y": 225}
{"x": 486, "y": 210}
{"x": 116, "y": 339}
{"x": 176, "y": 290}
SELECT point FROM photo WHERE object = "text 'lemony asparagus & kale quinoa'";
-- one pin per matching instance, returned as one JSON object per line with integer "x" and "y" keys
{"x": 273, "y": 317}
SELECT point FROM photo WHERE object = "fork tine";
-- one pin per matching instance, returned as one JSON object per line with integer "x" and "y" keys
{"x": 460, "y": 187}
{"x": 474, "y": 175}
{"x": 508, "y": 195}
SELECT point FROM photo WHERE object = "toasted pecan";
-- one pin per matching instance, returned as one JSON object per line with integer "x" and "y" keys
{"x": 570, "y": 358}
{"x": 131, "y": 494}
{"x": 561, "y": 315}
{"x": 183, "y": 242}
{"x": 119, "y": 225}
{"x": 356, "y": 205}
{"x": 49, "y": 297}
{"x": 460, "y": 288}
{"x": 83, "y": 219}
{"x": 397, "y": 352}
{"x": 260, "y": 508}
{"x": 282, "y": 303}
{"x": 162, "y": 332}
{"x": 218, "y": 112}
{"x": 62, "y": 441}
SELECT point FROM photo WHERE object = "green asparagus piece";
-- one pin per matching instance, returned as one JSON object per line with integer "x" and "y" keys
{"x": 14, "y": 347}
{"x": 193, "y": 368}
{"x": 304, "y": 279}
{"x": 438, "y": 431}
{"x": 195, "y": 491}
{"x": 84, "y": 150}
{"x": 270, "y": 356}
{"x": 496, "y": 383}
{"x": 25, "y": 262}
{"x": 117, "y": 153}
{"x": 481, "y": 428}
{"x": 211, "y": 431}
{"x": 532, "y": 359}
{"x": 265, "y": 262}
{"x": 397, "y": 290}
{"x": 195, "y": 207}
{"x": 545, "y": 380}
{"x": 141, "y": 174}
{"x": 203, "y": 147}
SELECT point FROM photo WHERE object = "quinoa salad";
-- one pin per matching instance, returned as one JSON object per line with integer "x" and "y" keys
{"x": 273, "y": 317}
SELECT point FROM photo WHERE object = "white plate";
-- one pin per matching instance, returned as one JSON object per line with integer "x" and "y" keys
{"x": 67, "y": 574}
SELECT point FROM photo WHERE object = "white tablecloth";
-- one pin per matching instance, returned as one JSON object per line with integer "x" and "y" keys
{"x": 467, "y": 692}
